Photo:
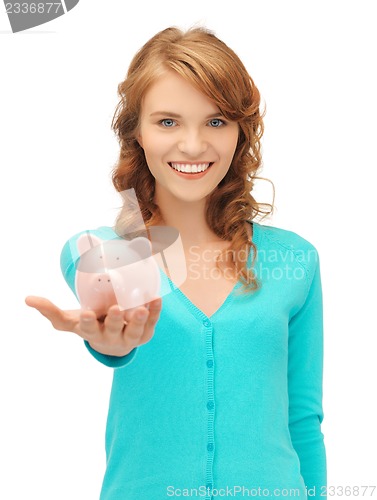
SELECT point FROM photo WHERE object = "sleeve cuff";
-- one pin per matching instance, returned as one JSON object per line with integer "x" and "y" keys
{"x": 111, "y": 361}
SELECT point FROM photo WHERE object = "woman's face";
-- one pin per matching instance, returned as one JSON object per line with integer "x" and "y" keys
{"x": 181, "y": 129}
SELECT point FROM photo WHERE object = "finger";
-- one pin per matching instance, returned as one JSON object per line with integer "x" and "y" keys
{"x": 61, "y": 320}
{"x": 155, "y": 307}
{"x": 44, "y": 306}
{"x": 89, "y": 326}
{"x": 135, "y": 327}
{"x": 114, "y": 321}
{"x": 155, "y": 304}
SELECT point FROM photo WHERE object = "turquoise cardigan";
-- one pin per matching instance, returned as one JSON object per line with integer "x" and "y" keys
{"x": 226, "y": 405}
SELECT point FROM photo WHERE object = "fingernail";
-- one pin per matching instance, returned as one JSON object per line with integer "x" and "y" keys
{"x": 142, "y": 315}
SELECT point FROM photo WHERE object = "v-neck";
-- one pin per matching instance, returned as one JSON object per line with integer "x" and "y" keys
{"x": 194, "y": 309}
{"x": 198, "y": 312}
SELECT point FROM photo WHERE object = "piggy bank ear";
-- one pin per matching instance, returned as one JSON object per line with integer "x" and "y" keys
{"x": 87, "y": 241}
{"x": 142, "y": 246}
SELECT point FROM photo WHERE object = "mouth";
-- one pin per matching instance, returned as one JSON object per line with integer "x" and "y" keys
{"x": 190, "y": 168}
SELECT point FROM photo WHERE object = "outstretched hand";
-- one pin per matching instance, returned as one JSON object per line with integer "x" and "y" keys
{"x": 117, "y": 334}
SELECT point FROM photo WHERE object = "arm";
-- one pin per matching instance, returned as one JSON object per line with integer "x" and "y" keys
{"x": 111, "y": 341}
{"x": 305, "y": 374}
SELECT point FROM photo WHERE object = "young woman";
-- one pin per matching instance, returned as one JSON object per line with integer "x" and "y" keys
{"x": 217, "y": 388}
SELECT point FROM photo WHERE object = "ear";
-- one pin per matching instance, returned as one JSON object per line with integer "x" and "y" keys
{"x": 138, "y": 136}
{"x": 87, "y": 241}
{"x": 142, "y": 246}
{"x": 139, "y": 140}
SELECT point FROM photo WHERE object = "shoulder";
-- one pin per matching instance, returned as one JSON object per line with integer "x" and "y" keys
{"x": 289, "y": 245}
{"x": 284, "y": 237}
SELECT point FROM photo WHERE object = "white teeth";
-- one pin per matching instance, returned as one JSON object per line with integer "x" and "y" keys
{"x": 198, "y": 167}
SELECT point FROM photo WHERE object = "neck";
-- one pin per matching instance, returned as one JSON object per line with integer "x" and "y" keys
{"x": 188, "y": 217}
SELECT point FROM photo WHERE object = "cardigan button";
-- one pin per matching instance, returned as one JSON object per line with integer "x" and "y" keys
{"x": 210, "y": 405}
{"x": 210, "y": 363}
{"x": 206, "y": 322}
{"x": 210, "y": 446}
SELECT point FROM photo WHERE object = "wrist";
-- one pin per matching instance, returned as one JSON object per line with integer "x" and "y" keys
{"x": 115, "y": 351}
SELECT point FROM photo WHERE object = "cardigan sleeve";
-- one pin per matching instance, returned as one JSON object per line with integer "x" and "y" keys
{"x": 111, "y": 361}
{"x": 305, "y": 376}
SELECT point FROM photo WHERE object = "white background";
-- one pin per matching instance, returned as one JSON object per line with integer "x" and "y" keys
{"x": 314, "y": 63}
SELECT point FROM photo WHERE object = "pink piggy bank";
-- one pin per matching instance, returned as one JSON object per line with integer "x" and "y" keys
{"x": 115, "y": 271}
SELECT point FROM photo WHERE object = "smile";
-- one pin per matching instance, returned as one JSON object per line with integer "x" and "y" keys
{"x": 190, "y": 168}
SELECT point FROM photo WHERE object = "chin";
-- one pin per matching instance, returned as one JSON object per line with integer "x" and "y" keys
{"x": 186, "y": 197}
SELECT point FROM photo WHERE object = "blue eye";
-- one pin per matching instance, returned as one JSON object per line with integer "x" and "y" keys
{"x": 216, "y": 123}
{"x": 167, "y": 122}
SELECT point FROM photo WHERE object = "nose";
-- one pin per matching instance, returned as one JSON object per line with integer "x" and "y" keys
{"x": 192, "y": 143}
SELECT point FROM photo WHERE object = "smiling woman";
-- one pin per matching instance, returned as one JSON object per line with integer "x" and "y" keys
{"x": 221, "y": 386}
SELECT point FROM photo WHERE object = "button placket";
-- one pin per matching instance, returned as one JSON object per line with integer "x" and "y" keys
{"x": 210, "y": 445}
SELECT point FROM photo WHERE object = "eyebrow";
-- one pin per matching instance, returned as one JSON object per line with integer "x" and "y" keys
{"x": 175, "y": 115}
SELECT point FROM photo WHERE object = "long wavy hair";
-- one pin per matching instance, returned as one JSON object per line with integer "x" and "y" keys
{"x": 215, "y": 70}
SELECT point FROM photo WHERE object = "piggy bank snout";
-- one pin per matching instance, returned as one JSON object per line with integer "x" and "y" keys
{"x": 100, "y": 282}
{"x": 103, "y": 277}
